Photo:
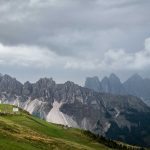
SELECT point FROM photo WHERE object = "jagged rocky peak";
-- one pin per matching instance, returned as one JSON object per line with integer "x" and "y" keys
{"x": 45, "y": 83}
{"x": 93, "y": 83}
{"x": 105, "y": 79}
{"x": 111, "y": 84}
{"x": 114, "y": 78}
{"x": 27, "y": 83}
{"x": 71, "y": 87}
{"x": 116, "y": 85}
{"x": 105, "y": 84}
{"x": 7, "y": 77}
{"x": 134, "y": 82}
{"x": 44, "y": 88}
{"x": 95, "y": 78}
{"x": 69, "y": 92}
{"x": 69, "y": 83}
{"x": 10, "y": 85}
{"x": 135, "y": 85}
{"x": 135, "y": 78}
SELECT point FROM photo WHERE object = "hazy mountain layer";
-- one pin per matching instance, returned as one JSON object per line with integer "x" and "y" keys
{"x": 135, "y": 85}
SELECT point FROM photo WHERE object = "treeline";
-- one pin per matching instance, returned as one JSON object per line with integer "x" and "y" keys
{"x": 110, "y": 143}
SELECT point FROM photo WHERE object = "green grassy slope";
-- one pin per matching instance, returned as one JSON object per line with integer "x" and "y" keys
{"x": 25, "y": 132}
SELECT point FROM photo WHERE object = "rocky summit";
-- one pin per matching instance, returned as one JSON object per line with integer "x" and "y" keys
{"x": 124, "y": 118}
{"x": 135, "y": 85}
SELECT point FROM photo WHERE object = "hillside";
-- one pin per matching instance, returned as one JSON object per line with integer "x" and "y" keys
{"x": 22, "y": 131}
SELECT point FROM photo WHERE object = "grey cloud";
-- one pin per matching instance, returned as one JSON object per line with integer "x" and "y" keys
{"x": 24, "y": 23}
{"x": 75, "y": 29}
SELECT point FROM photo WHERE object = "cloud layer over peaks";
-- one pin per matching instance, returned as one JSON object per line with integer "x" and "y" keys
{"x": 93, "y": 37}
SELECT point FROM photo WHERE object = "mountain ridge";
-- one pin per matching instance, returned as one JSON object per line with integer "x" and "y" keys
{"x": 134, "y": 85}
{"x": 80, "y": 107}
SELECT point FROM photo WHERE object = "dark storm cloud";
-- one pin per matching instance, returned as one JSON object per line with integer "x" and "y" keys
{"x": 67, "y": 26}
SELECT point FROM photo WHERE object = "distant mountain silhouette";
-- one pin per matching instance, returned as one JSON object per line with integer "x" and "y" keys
{"x": 135, "y": 85}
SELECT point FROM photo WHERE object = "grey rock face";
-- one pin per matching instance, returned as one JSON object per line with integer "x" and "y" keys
{"x": 93, "y": 83}
{"x": 109, "y": 84}
{"x": 27, "y": 89}
{"x": 138, "y": 86}
{"x": 135, "y": 85}
{"x": 105, "y": 85}
{"x": 115, "y": 85}
{"x": 76, "y": 106}
{"x": 10, "y": 85}
{"x": 44, "y": 88}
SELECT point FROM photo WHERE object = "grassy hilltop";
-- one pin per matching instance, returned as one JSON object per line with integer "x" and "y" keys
{"x": 21, "y": 131}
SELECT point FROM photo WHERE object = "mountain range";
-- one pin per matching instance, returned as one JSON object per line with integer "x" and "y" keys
{"x": 119, "y": 117}
{"x": 135, "y": 85}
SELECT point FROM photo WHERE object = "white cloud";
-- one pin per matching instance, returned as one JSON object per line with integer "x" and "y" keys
{"x": 26, "y": 56}
{"x": 115, "y": 59}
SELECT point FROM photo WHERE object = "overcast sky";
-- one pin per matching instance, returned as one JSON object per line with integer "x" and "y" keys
{"x": 73, "y": 39}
